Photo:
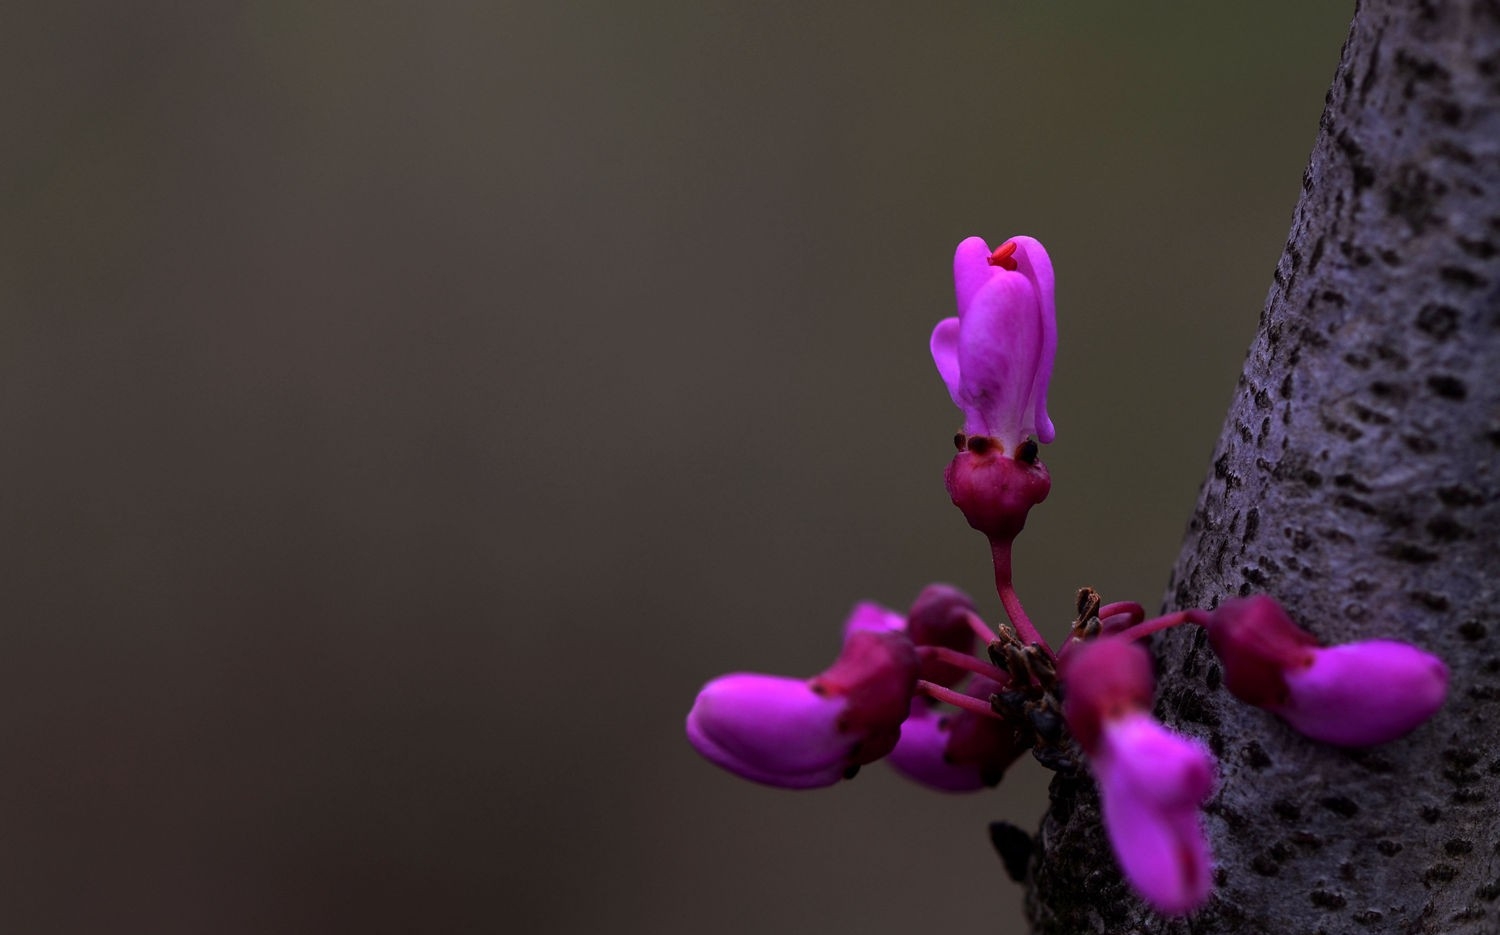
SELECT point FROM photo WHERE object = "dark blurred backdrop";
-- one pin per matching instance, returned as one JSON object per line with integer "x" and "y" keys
{"x": 404, "y": 408}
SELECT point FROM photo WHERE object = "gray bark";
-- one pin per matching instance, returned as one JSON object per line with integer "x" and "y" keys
{"x": 1358, "y": 480}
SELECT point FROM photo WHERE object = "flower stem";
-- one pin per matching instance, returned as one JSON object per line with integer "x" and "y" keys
{"x": 1134, "y": 611}
{"x": 968, "y": 663}
{"x": 1167, "y": 621}
{"x": 1000, "y": 552}
{"x": 957, "y": 699}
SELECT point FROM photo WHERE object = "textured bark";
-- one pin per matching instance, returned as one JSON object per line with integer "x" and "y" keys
{"x": 1357, "y": 479}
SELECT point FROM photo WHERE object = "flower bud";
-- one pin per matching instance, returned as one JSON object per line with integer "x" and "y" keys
{"x": 941, "y": 616}
{"x": 802, "y": 734}
{"x": 996, "y": 356}
{"x": 1361, "y": 694}
{"x": 958, "y": 751}
{"x": 1152, "y": 782}
{"x": 1350, "y": 695}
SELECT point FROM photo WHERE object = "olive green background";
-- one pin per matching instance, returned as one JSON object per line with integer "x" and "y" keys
{"x": 404, "y": 408}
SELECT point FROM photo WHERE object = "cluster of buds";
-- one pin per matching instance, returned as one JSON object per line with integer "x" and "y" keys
{"x": 911, "y": 689}
{"x": 880, "y": 697}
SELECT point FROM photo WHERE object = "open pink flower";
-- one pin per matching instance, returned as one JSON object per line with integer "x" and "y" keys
{"x": 1152, "y": 782}
{"x": 800, "y": 734}
{"x": 1351, "y": 695}
{"x": 996, "y": 356}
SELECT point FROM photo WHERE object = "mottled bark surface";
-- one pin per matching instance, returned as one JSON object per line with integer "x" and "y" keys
{"x": 1358, "y": 479}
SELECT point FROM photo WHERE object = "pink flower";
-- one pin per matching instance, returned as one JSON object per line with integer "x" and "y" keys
{"x": 800, "y": 734}
{"x": 1360, "y": 694}
{"x": 957, "y": 751}
{"x": 1152, "y": 782}
{"x": 1351, "y": 695}
{"x": 996, "y": 356}
{"x": 770, "y": 729}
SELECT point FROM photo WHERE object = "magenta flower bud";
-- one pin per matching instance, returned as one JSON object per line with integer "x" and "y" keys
{"x": 1361, "y": 694}
{"x": 1152, "y": 784}
{"x": 1350, "y": 695}
{"x": 957, "y": 751}
{"x": 770, "y": 729}
{"x": 942, "y": 615}
{"x": 996, "y": 356}
{"x": 803, "y": 734}
{"x": 1103, "y": 680}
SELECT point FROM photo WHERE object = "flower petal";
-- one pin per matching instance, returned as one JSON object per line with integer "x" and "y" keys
{"x": 999, "y": 339}
{"x": 1360, "y": 694}
{"x": 770, "y": 729}
{"x": 868, "y": 616}
{"x": 1033, "y": 262}
{"x": 920, "y": 753}
{"x": 944, "y": 345}
{"x": 971, "y": 270}
{"x": 1151, "y": 785}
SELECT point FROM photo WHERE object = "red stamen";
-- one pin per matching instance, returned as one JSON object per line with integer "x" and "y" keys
{"x": 1002, "y": 256}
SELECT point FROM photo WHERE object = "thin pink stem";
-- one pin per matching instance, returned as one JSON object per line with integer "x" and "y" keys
{"x": 960, "y": 660}
{"x": 957, "y": 699}
{"x": 1136, "y": 612}
{"x": 1164, "y": 622}
{"x": 1024, "y": 627}
{"x": 1000, "y": 552}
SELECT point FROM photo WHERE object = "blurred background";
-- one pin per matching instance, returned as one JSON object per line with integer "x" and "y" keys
{"x": 405, "y": 408}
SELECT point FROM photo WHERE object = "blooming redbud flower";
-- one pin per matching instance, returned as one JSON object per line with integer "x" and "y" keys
{"x": 1351, "y": 695}
{"x": 1152, "y": 782}
{"x": 958, "y": 751}
{"x": 996, "y": 356}
{"x": 800, "y": 734}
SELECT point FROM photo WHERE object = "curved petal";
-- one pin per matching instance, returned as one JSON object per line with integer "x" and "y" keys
{"x": 944, "y": 345}
{"x": 971, "y": 270}
{"x": 920, "y": 754}
{"x": 997, "y": 356}
{"x": 1359, "y": 694}
{"x": 1166, "y": 769}
{"x": 872, "y": 617}
{"x": 1033, "y": 262}
{"x": 770, "y": 729}
{"x": 1151, "y": 784}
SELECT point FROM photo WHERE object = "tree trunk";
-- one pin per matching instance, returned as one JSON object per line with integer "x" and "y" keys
{"x": 1357, "y": 479}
